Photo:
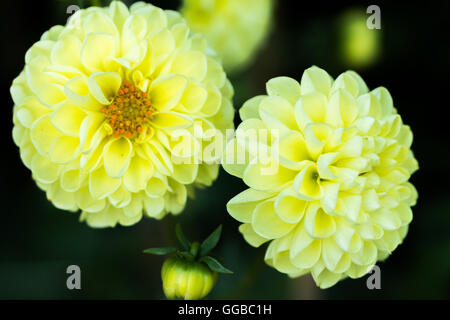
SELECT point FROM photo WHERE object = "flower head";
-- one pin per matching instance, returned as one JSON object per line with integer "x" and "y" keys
{"x": 328, "y": 187}
{"x": 106, "y": 109}
{"x": 235, "y": 28}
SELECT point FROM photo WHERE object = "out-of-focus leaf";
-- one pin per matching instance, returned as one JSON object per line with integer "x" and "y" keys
{"x": 160, "y": 251}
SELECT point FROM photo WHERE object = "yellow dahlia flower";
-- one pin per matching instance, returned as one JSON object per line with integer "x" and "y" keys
{"x": 105, "y": 111}
{"x": 234, "y": 28}
{"x": 329, "y": 186}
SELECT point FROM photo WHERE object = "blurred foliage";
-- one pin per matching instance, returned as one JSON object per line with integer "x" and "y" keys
{"x": 38, "y": 242}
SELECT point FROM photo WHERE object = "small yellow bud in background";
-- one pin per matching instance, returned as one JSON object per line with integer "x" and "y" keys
{"x": 360, "y": 46}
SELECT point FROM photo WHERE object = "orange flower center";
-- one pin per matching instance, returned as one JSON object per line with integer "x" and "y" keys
{"x": 129, "y": 112}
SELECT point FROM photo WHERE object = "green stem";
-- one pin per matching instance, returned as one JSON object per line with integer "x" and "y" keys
{"x": 194, "y": 249}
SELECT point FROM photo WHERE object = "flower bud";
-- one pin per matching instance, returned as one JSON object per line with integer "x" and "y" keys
{"x": 188, "y": 280}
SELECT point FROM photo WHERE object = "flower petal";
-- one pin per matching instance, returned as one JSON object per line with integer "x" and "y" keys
{"x": 367, "y": 255}
{"x": 30, "y": 111}
{"x": 64, "y": 149}
{"x": 331, "y": 254}
{"x": 236, "y": 158}
{"x": 267, "y": 176}
{"x": 316, "y": 135}
{"x": 154, "y": 206}
{"x": 63, "y": 52}
{"x": 318, "y": 223}
{"x": 214, "y": 102}
{"x": 96, "y": 50}
{"x": 44, "y": 170}
{"x": 101, "y": 184}
{"x": 315, "y": 79}
{"x": 71, "y": 179}
{"x": 242, "y": 205}
{"x": 86, "y": 203}
{"x": 267, "y": 224}
{"x": 254, "y": 239}
{"x": 77, "y": 92}
{"x": 166, "y": 91}
{"x": 288, "y": 207}
{"x": 194, "y": 97}
{"x": 192, "y": 64}
{"x": 68, "y": 118}
{"x": 342, "y": 109}
{"x": 138, "y": 173}
{"x": 156, "y": 186}
{"x": 116, "y": 156}
{"x": 330, "y": 196}
{"x": 277, "y": 113}
{"x": 163, "y": 42}
{"x": 291, "y": 150}
{"x": 387, "y": 219}
{"x": 285, "y": 87}
{"x": 43, "y": 134}
{"x": 306, "y": 183}
{"x": 323, "y": 165}
{"x": 158, "y": 155}
{"x": 305, "y": 252}
{"x": 51, "y": 95}
{"x": 310, "y": 108}
{"x": 104, "y": 86}
{"x": 250, "y": 108}
{"x": 171, "y": 120}
{"x": 349, "y": 205}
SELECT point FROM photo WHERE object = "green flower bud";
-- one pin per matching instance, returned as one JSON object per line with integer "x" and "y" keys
{"x": 185, "y": 279}
{"x": 191, "y": 273}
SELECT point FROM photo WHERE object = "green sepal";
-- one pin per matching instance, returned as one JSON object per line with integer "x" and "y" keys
{"x": 182, "y": 238}
{"x": 186, "y": 255}
{"x": 215, "y": 265}
{"x": 209, "y": 243}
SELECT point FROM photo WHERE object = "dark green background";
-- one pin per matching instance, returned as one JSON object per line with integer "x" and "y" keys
{"x": 38, "y": 242}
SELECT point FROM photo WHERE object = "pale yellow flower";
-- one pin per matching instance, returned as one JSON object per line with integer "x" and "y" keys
{"x": 235, "y": 29}
{"x": 105, "y": 110}
{"x": 339, "y": 199}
